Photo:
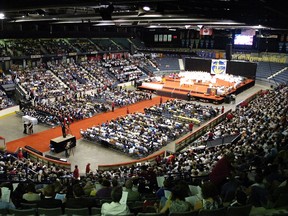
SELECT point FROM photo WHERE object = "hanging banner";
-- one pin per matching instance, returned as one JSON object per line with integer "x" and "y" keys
{"x": 218, "y": 66}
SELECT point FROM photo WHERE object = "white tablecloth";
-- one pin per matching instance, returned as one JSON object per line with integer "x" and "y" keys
{"x": 29, "y": 118}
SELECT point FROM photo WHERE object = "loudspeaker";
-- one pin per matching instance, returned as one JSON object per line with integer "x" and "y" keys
{"x": 55, "y": 158}
{"x": 229, "y": 51}
{"x": 34, "y": 150}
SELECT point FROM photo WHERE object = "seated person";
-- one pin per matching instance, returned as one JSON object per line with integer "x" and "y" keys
{"x": 115, "y": 208}
{"x": 78, "y": 201}
{"x": 176, "y": 202}
{"x": 132, "y": 195}
{"x": 4, "y": 204}
{"x": 105, "y": 191}
{"x": 31, "y": 195}
{"x": 49, "y": 201}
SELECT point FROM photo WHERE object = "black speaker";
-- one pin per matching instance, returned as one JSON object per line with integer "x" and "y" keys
{"x": 229, "y": 51}
{"x": 34, "y": 150}
{"x": 55, "y": 158}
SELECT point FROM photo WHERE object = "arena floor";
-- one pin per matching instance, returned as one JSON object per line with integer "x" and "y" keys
{"x": 86, "y": 152}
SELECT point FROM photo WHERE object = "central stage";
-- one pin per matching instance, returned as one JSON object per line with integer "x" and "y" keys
{"x": 198, "y": 91}
{"x": 58, "y": 144}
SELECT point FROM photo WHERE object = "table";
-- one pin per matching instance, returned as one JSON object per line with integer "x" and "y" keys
{"x": 58, "y": 144}
{"x": 27, "y": 118}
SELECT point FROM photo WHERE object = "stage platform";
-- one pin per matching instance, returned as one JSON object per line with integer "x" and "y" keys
{"x": 58, "y": 144}
{"x": 198, "y": 91}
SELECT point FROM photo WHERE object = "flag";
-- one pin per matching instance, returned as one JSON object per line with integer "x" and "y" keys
{"x": 206, "y": 31}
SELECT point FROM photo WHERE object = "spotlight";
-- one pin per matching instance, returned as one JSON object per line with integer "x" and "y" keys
{"x": 146, "y": 8}
{"x": 2, "y": 15}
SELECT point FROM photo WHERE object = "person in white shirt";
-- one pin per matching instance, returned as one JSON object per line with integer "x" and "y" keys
{"x": 115, "y": 207}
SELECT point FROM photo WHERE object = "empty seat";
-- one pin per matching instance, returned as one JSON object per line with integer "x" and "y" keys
{"x": 151, "y": 214}
{"x": 3, "y": 211}
{"x": 190, "y": 213}
{"x": 95, "y": 211}
{"x": 239, "y": 210}
{"x": 130, "y": 214}
{"x": 28, "y": 205}
{"x": 214, "y": 212}
{"x": 49, "y": 211}
{"x": 22, "y": 212}
{"x": 76, "y": 211}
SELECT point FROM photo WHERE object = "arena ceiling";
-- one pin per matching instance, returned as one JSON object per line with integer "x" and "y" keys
{"x": 189, "y": 14}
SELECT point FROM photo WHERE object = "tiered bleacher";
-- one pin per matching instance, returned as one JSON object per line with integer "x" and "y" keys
{"x": 5, "y": 101}
{"x": 83, "y": 45}
{"x": 250, "y": 173}
{"x": 105, "y": 44}
{"x": 168, "y": 64}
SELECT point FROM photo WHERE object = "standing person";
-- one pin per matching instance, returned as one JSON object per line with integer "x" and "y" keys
{"x": 113, "y": 106}
{"x": 188, "y": 96}
{"x": 161, "y": 100}
{"x": 127, "y": 111}
{"x": 67, "y": 147}
{"x": 222, "y": 109}
{"x": 20, "y": 155}
{"x": 222, "y": 169}
{"x": 25, "y": 127}
{"x": 87, "y": 169}
{"x": 191, "y": 125}
{"x": 63, "y": 128}
{"x": 76, "y": 174}
{"x": 30, "y": 127}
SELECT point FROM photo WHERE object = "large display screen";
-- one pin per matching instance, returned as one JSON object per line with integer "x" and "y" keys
{"x": 241, "y": 39}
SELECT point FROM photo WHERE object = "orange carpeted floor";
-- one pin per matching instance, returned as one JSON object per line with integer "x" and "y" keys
{"x": 41, "y": 141}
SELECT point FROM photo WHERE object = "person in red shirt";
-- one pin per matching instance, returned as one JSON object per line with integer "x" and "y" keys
{"x": 223, "y": 169}
{"x": 229, "y": 116}
{"x": 88, "y": 169}
{"x": 76, "y": 174}
{"x": 191, "y": 125}
{"x": 112, "y": 106}
{"x": 20, "y": 155}
{"x": 127, "y": 111}
{"x": 222, "y": 109}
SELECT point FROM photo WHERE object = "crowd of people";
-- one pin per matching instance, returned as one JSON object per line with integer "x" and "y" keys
{"x": 252, "y": 170}
{"x": 5, "y": 102}
{"x": 124, "y": 70}
{"x": 136, "y": 134}
{"x": 38, "y": 82}
{"x": 28, "y": 47}
{"x": 68, "y": 86}
{"x": 184, "y": 110}
{"x": 140, "y": 134}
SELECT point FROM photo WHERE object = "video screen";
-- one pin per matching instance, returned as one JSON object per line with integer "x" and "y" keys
{"x": 243, "y": 40}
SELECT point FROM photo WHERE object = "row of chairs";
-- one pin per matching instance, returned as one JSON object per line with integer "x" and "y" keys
{"x": 230, "y": 211}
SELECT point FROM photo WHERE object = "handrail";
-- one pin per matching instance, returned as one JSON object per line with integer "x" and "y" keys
{"x": 178, "y": 145}
{"x": 130, "y": 163}
{"x": 187, "y": 139}
{"x": 45, "y": 160}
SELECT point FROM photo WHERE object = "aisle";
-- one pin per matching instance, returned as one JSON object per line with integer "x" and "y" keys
{"x": 41, "y": 140}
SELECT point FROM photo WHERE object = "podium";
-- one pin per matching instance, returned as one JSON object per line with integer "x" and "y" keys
{"x": 59, "y": 143}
